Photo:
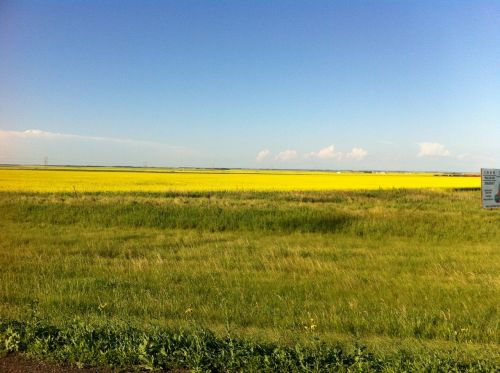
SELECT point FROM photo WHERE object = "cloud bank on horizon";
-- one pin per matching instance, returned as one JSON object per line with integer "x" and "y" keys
{"x": 327, "y": 153}
{"x": 33, "y": 145}
{"x": 40, "y": 134}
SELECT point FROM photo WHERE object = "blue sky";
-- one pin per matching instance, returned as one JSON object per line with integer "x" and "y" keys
{"x": 409, "y": 85}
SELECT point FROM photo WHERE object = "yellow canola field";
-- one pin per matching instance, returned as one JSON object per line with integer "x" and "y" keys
{"x": 119, "y": 180}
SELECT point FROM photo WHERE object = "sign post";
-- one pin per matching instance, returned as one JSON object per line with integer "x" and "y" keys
{"x": 490, "y": 187}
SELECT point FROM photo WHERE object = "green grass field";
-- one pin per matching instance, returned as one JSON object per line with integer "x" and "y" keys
{"x": 413, "y": 275}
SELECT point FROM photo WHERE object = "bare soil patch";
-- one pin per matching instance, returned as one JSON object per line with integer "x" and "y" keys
{"x": 18, "y": 363}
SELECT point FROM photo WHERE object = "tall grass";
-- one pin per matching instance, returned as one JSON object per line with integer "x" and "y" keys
{"x": 394, "y": 270}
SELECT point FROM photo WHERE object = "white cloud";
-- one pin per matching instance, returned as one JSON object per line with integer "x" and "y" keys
{"x": 357, "y": 154}
{"x": 31, "y": 146}
{"x": 432, "y": 149}
{"x": 263, "y": 154}
{"x": 40, "y": 134}
{"x": 31, "y": 134}
{"x": 287, "y": 155}
{"x": 330, "y": 153}
{"x": 325, "y": 153}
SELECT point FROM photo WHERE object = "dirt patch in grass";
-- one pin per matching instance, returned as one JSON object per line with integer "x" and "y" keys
{"x": 18, "y": 363}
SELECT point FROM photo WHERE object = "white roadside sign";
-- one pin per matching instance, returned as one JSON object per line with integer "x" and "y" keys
{"x": 490, "y": 187}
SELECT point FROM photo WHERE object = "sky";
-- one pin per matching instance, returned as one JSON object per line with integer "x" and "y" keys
{"x": 384, "y": 85}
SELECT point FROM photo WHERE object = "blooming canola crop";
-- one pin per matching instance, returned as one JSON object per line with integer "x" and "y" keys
{"x": 59, "y": 179}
